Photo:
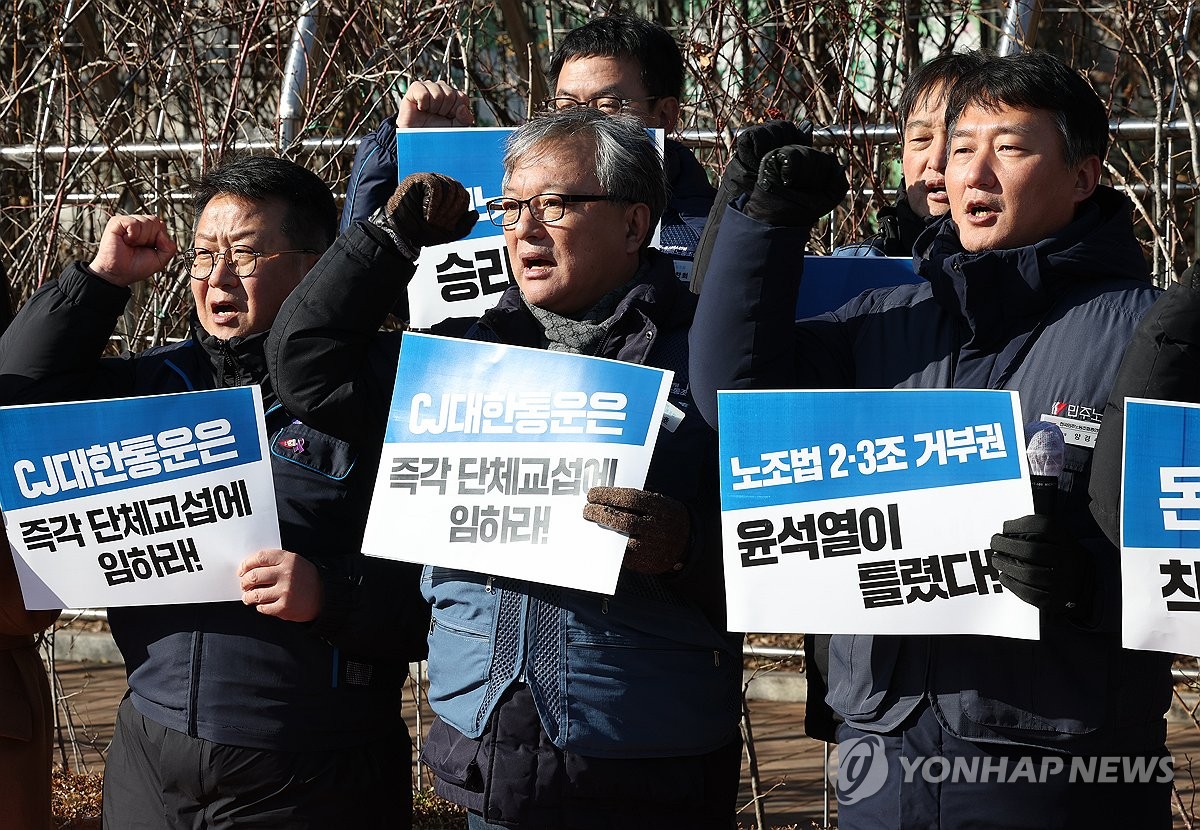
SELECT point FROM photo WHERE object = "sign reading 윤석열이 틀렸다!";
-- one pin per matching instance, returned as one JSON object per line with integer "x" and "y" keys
{"x": 871, "y": 512}
{"x": 490, "y": 451}
{"x": 1160, "y": 527}
{"x": 136, "y": 501}
{"x": 463, "y": 278}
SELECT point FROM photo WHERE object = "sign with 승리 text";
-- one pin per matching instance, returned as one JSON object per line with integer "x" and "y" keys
{"x": 136, "y": 501}
{"x": 1160, "y": 527}
{"x": 871, "y": 512}
{"x": 490, "y": 451}
{"x": 467, "y": 277}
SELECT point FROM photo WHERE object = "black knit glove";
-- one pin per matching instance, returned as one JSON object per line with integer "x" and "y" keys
{"x": 741, "y": 174}
{"x": 657, "y": 526}
{"x": 753, "y": 144}
{"x": 426, "y": 209}
{"x": 796, "y": 186}
{"x": 1044, "y": 566}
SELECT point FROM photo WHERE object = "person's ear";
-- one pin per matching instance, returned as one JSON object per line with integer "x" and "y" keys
{"x": 666, "y": 112}
{"x": 1087, "y": 177}
{"x": 637, "y": 227}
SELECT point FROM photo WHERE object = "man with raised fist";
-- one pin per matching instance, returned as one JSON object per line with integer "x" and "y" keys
{"x": 1033, "y": 281}
{"x": 281, "y": 710}
{"x": 557, "y": 708}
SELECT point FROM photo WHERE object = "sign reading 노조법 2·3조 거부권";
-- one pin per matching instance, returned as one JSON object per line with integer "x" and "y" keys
{"x": 870, "y": 512}
{"x": 1160, "y": 527}
{"x": 490, "y": 451}
{"x": 467, "y": 277}
{"x": 136, "y": 501}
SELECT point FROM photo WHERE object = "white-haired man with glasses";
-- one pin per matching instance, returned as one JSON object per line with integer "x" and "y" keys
{"x": 278, "y": 711}
{"x": 556, "y": 708}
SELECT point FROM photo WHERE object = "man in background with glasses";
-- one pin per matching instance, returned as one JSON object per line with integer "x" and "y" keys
{"x": 622, "y": 63}
{"x": 557, "y": 709}
{"x": 282, "y": 710}
{"x": 618, "y": 64}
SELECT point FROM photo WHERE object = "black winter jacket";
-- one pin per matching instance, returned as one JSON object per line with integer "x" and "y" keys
{"x": 1049, "y": 320}
{"x": 899, "y": 228}
{"x": 222, "y": 671}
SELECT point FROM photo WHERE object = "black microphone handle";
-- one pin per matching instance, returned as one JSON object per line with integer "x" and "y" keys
{"x": 1045, "y": 494}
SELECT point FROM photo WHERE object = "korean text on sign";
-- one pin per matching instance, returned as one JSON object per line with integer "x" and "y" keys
{"x": 871, "y": 511}
{"x": 136, "y": 501}
{"x": 490, "y": 451}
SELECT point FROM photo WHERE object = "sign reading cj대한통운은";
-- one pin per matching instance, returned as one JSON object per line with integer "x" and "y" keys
{"x": 136, "y": 501}
{"x": 490, "y": 451}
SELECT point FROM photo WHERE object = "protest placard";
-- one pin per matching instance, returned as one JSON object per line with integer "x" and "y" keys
{"x": 136, "y": 501}
{"x": 490, "y": 451}
{"x": 1160, "y": 527}
{"x": 467, "y": 277}
{"x": 871, "y": 511}
{"x": 832, "y": 281}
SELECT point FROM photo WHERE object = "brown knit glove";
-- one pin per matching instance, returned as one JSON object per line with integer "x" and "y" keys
{"x": 657, "y": 526}
{"x": 430, "y": 209}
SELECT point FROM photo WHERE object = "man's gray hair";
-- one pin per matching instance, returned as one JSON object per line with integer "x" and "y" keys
{"x": 628, "y": 165}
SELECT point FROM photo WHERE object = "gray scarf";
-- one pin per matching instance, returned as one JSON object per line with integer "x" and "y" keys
{"x": 584, "y": 335}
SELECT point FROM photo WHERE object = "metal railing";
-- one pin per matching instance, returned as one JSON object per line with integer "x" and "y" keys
{"x": 1127, "y": 129}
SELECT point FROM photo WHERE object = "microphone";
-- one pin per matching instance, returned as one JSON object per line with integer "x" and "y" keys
{"x": 1046, "y": 451}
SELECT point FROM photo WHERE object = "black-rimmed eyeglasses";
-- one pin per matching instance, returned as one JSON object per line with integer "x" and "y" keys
{"x": 545, "y": 207}
{"x": 242, "y": 259}
{"x": 607, "y": 104}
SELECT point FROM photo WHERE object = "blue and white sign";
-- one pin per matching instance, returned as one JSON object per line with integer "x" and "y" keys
{"x": 871, "y": 511}
{"x": 467, "y": 277}
{"x": 137, "y": 501}
{"x": 832, "y": 281}
{"x": 1160, "y": 527}
{"x": 490, "y": 451}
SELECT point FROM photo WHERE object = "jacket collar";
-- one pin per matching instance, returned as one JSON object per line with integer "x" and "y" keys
{"x": 238, "y": 361}
{"x": 685, "y": 176}
{"x": 996, "y": 292}
{"x": 910, "y": 225}
{"x": 899, "y": 227}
